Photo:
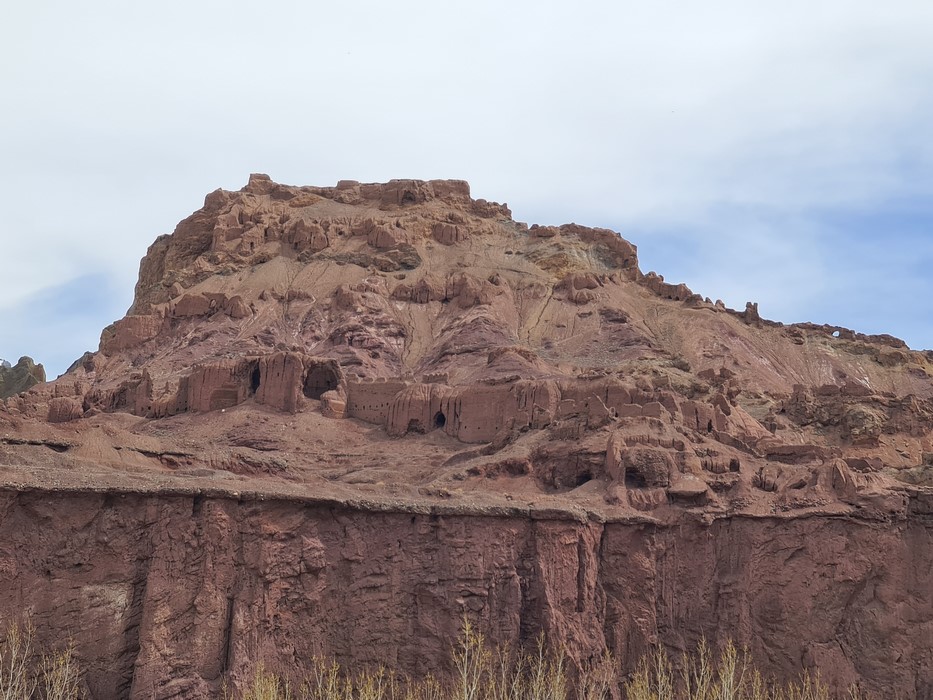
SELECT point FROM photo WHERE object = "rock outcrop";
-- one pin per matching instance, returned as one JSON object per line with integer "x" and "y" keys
{"x": 395, "y": 402}
{"x": 15, "y": 379}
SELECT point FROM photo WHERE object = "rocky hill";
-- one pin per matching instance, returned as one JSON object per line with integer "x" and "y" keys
{"x": 336, "y": 420}
{"x": 17, "y": 378}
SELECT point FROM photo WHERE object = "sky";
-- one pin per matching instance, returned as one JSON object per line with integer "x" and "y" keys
{"x": 777, "y": 152}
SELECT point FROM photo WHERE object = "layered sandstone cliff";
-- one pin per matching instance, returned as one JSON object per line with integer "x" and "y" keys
{"x": 335, "y": 420}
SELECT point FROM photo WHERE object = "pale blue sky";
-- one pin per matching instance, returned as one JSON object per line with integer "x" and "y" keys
{"x": 767, "y": 151}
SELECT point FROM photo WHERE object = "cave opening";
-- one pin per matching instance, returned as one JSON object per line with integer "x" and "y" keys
{"x": 440, "y": 420}
{"x": 635, "y": 479}
{"x": 321, "y": 378}
{"x": 254, "y": 378}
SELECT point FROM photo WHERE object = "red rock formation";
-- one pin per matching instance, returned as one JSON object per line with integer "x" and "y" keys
{"x": 63, "y": 409}
{"x": 394, "y": 402}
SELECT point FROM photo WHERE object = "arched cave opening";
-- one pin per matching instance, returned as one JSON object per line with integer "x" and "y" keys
{"x": 321, "y": 378}
{"x": 584, "y": 477}
{"x": 254, "y": 380}
{"x": 440, "y": 420}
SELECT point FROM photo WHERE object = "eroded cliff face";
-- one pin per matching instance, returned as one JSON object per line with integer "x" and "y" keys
{"x": 165, "y": 594}
{"x": 337, "y": 419}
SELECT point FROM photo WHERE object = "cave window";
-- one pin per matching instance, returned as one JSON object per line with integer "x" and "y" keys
{"x": 321, "y": 378}
{"x": 709, "y": 426}
{"x": 408, "y": 197}
{"x": 254, "y": 380}
{"x": 583, "y": 478}
{"x": 440, "y": 420}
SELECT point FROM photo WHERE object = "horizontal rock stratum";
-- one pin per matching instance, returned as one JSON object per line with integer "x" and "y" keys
{"x": 338, "y": 419}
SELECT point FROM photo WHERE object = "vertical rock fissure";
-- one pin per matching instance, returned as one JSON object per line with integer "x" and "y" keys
{"x": 581, "y": 573}
{"x": 529, "y": 572}
{"x": 227, "y": 639}
{"x": 134, "y": 619}
{"x": 227, "y": 636}
{"x": 599, "y": 591}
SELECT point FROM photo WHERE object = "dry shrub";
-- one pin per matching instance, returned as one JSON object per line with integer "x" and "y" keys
{"x": 730, "y": 676}
{"x": 27, "y": 673}
{"x": 501, "y": 674}
{"x": 18, "y": 677}
{"x": 61, "y": 676}
{"x": 480, "y": 673}
{"x": 485, "y": 673}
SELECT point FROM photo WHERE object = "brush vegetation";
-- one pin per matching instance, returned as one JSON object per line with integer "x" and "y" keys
{"x": 485, "y": 673}
{"x": 26, "y": 673}
{"x": 480, "y": 672}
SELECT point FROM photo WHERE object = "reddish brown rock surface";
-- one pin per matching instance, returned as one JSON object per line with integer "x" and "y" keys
{"x": 336, "y": 420}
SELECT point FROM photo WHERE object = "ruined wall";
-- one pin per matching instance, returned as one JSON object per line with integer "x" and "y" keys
{"x": 419, "y": 408}
{"x": 286, "y": 381}
{"x": 371, "y": 400}
{"x": 478, "y": 413}
{"x": 281, "y": 380}
{"x": 189, "y": 588}
{"x": 220, "y": 385}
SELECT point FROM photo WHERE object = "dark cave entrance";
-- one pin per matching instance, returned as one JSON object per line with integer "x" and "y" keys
{"x": 321, "y": 378}
{"x": 254, "y": 378}
{"x": 440, "y": 420}
{"x": 635, "y": 479}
